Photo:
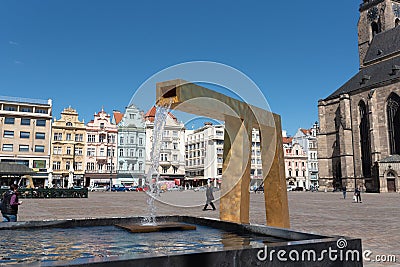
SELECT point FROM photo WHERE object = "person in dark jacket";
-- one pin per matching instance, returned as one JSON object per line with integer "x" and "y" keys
{"x": 209, "y": 196}
{"x": 10, "y": 204}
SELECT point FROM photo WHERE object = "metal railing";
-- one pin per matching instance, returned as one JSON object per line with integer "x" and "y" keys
{"x": 50, "y": 193}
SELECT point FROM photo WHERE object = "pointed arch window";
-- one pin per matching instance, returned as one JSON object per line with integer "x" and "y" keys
{"x": 376, "y": 28}
{"x": 393, "y": 116}
{"x": 366, "y": 161}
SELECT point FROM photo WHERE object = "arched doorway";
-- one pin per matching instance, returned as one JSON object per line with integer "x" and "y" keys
{"x": 391, "y": 181}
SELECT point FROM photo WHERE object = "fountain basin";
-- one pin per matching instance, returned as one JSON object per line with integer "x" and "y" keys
{"x": 214, "y": 243}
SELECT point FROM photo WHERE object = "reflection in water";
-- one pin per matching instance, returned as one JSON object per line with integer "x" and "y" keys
{"x": 23, "y": 246}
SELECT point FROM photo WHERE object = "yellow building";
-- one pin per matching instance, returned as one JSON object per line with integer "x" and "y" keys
{"x": 68, "y": 148}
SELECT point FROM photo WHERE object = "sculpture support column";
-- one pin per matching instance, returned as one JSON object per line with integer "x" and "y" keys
{"x": 275, "y": 192}
{"x": 235, "y": 200}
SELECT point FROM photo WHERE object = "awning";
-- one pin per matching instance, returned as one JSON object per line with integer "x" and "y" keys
{"x": 14, "y": 169}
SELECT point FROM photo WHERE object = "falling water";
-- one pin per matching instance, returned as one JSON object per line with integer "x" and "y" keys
{"x": 153, "y": 174}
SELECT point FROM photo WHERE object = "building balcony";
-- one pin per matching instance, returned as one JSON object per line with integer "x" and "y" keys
{"x": 165, "y": 163}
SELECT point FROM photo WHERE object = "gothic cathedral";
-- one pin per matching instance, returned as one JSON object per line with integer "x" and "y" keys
{"x": 359, "y": 138}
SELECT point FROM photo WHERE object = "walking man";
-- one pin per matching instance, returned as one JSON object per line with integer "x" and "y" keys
{"x": 209, "y": 196}
{"x": 344, "y": 192}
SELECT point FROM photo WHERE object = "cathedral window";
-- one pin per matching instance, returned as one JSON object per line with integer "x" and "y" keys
{"x": 393, "y": 116}
{"x": 365, "y": 140}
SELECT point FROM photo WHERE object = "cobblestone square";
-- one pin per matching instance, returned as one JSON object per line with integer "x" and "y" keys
{"x": 375, "y": 220}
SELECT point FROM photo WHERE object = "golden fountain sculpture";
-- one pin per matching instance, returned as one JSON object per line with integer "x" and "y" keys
{"x": 240, "y": 118}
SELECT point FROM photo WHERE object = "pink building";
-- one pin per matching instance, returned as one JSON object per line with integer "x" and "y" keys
{"x": 101, "y": 158}
{"x": 295, "y": 164}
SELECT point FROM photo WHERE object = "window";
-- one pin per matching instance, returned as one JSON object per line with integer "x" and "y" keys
{"x": 78, "y": 137}
{"x": 164, "y": 157}
{"x": 23, "y": 148}
{"x": 68, "y": 137}
{"x": 121, "y": 139}
{"x": 67, "y": 165}
{"x": 141, "y": 153}
{"x": 24, "y": 134}
{"x": 40, "y": 122}
{"x": 132, "y": 116}
{"x": 40, "y": 135}
{"x": 132, "y": 139}
{"x": 40, "y": 110}
{"x": 57, "y": 136}
{"x": 101, "y": 152}
{"x": 90, "y": 166}
{"x": 121, "y": 152}
{"x": 140, "y": 141}
{"x": 25, "y": 121}
{"x": 132, "y": 152}
{"x": 175, "y": 145}
{"x": 68, "y": 150}
{"x": 10, "y": 108}
{"x": 140, "y": 166}
{"x": 101, "y": 125}
{"x": 8, "y": 134}
{"x": 91, "y": 151}
{"x": 56, "y": 165}
{"x": 78, "y": 151}
{"x": 69, "y": 124}
{"x": 7, "y": 147}
{"x": 78, "y": 166}
{"x": 26, "y": 109}
{"x": 39, "y": 148}
{"x": 57, "y": 150}
{"x": 40, "y": 164}
{"x": 175, "y": 157}
{"x": 9, "y": 120}
{"x": 366, "y": 160}
{"x": 102, "y": 138}
{"x": 91, "y": 138}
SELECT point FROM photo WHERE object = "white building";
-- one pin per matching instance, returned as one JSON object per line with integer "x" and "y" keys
{"x": 131, "y": 151}
{"x": 307, "y": 139}
{"x": 172, "y": 154}
{"x": 204, "y": 149}
{"x": 204, "y": 155}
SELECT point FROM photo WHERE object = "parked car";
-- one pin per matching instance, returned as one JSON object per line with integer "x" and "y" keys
{"x": 97, "y": 188}
{"x": 299, "y": 188}
{"x": 175, "y": 188}
{"x": 200, "y": 188}
{"x": 118, "y": 188}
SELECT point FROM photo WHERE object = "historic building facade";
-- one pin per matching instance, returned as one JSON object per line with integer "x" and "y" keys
{"x": 101, "y": 146}
{"x": 131, "y": 142}
{"x": 359, "y": 122}
{"x": 296, "y": 168}
{"x": 25, "y": 126}
{"x": 68, "y": 148}
{"x": 172, "y": 154}
{"x": 307, "y": 139}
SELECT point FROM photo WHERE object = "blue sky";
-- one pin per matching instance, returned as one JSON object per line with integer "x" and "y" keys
{"x": 89, "y": 54}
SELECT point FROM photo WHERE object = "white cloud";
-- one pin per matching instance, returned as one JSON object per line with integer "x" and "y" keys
{"x": 13, "y": 43}
{"x": 17, "y": 62}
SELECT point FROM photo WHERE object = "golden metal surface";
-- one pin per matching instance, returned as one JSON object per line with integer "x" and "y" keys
{"x": 240, "y": 118}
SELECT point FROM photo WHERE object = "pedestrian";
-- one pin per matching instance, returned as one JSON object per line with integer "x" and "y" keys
{"x": 10, "y": 204}
{"x": 344, "y": 192}
{"x": 358, "y": 194}
{"x": 209, "y": 196}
